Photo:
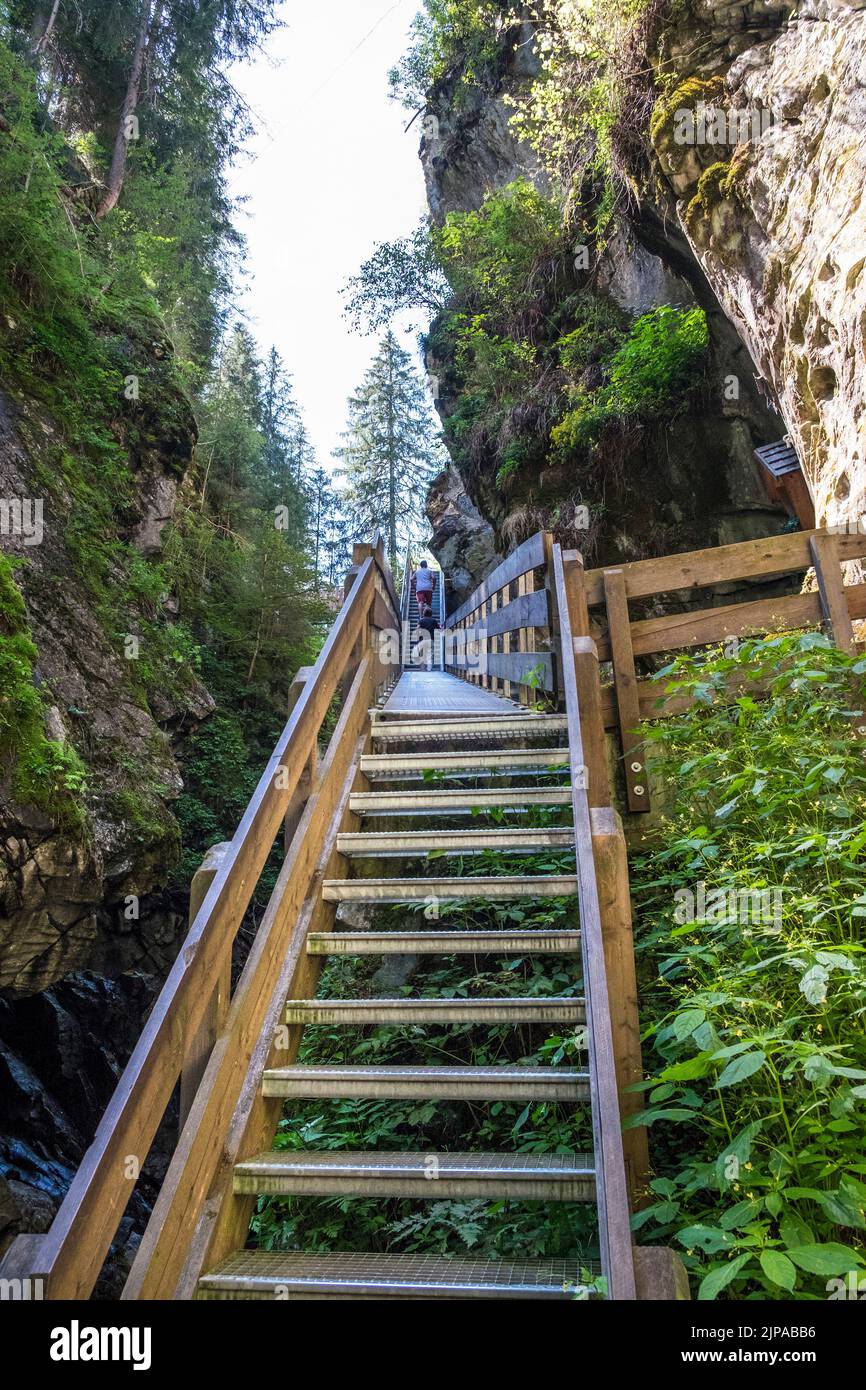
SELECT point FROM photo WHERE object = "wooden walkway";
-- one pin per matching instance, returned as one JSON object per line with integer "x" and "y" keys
{"x": 438, "y": 693}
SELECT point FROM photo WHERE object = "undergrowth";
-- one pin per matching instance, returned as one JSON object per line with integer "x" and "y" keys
{"x": 754, "y": 984}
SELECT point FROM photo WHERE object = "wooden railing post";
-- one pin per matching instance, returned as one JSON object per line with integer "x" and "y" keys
{"x": 588, "y": 680}
{"x": 611, "y": 867}
{"x": 627, "y": 702}
{"x": 834, "y": 604}
{"x": 200, "y": 1046}
{"x": 301, "y": 794}
{"x": 611, "y": 1174}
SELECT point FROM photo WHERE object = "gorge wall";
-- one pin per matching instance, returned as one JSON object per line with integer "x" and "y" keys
{"x": 761, "y": 225}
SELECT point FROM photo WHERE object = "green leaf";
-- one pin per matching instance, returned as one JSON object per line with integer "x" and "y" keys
{"x": 778, "y": 1269}
{"x": 686, "y": 1023}
{"x": 826, "y": 1258}
{"x": 814, "y": 984}
{"x": 745, "y": 1065}
{"x": 719, "y": 1278}
{"x": 710, "y": 1239}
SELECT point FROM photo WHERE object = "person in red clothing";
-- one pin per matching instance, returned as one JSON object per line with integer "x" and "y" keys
{"x": 423, "y": 581}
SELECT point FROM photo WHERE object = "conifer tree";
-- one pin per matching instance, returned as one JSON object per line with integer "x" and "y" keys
{"x": 391, "y": 449}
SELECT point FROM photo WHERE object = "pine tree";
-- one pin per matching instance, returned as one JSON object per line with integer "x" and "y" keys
{"x": 391, "y": 450}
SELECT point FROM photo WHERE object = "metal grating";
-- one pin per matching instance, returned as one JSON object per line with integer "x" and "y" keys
{"x": 779, "y": 458}
{"x": 249, "y": 1274}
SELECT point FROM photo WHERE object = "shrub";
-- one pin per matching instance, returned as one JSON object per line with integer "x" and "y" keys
{"x": 757, "y": 1096}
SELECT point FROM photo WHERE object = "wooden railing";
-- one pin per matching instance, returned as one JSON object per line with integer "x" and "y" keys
{"x": 621, "y": 640}
{"x": 502, "y": 638}
{"x": 191, "y": 1222}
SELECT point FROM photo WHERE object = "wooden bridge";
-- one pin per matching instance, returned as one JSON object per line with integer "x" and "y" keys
{"x": 517, "y": 720}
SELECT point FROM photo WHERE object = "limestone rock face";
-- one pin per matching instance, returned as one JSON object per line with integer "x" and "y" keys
{"x": 463, "y": 541}
{"x": 777, "y": 218}
{"x": 80, "y": 895}
{"x": 689, "y": 482}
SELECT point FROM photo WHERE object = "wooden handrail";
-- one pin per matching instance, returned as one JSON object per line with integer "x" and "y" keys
{"x": 611, "y": 1184}
{"x": 68, "y": 1258}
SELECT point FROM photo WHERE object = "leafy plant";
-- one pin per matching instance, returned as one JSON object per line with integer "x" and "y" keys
{"x": 756, "y": 1017}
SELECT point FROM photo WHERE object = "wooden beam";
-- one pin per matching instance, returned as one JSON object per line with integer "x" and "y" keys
{"x": 834, "y": 605}
{"x": 516, "y": 666}
{"x": 201, "y": 1046}
{"x": 625, "y": 678}
{"x": 611, "y": 866}
{"x": 530, "y": 610}
{"x": 611, "y": 1180}
{"x": 186, "y": 1193}
{"x": 703, "y": 626}
{"x": 528, "y": 556}
{"x": 696, "y": 569}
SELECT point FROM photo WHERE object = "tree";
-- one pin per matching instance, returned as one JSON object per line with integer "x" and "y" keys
{"x": 126, "y": 124}
{"x": 392, "y": 449}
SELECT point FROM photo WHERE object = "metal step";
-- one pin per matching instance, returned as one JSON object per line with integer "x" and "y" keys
{"x": 265, "y": 1274}
{"x": 447, "y": 802}
{"x": 530, "y": 1177}
{"x": 489, "y": 764}
{"x": 421, "y": 1012}
{"x": 408, "y": 845}
{"x": 502, "y": 726}
{"x": 402, "y": 890}
{"x": 455, "y": 943}
{"x": 558, "y": 1085}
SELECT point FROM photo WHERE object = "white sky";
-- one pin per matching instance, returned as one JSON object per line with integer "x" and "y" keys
{"x": 333, "y": 174}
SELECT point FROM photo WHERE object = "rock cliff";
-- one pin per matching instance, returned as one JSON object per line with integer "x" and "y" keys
{"x": 771, "y": 204}
{"x": 760, "y": 224}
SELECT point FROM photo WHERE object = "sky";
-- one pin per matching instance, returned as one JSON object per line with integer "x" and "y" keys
{"x": 331, "y": 174}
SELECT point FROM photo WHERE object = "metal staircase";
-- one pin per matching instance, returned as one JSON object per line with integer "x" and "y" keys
{"x": 410, "y": 614}
{"x": 450, "y": 747}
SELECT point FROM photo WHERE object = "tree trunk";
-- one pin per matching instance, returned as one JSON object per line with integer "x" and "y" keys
{"x": 114, "y": 184}
{"x": 43, "y": 41}
{"x": 392, "y": 468}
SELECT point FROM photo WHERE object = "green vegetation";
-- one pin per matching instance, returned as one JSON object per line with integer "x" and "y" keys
{"x": 754, "y": 997}
{"x": 114, "y": 329}
{"x": 651, "y": 373}
{"x": 459, "y": 41}
{"x": 390, "y": 451}
{"x": 46, "y": 772}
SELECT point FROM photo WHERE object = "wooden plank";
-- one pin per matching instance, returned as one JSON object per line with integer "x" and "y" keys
{"x": 528, "y": 556}
{"x": 530, "y": 610}
{"x": 696, "y": 569}
{"x": 192, "y": 1184}
{"x": 625, "y": 681}
{"x": 612, "y": 1185}
{"x": 611, "y": 865}
{"x": 588, "y": 683}
{"x": 516, "y": 666}
{"x": 201, "y": 1047}
{"x": 834, "y": 605}
{"x": 73, "y": 1251}
{"x": 704, "y": 626}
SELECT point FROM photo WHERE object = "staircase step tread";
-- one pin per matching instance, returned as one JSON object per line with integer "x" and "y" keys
{"x": 424, "y": 1176}
{"x": 497, "y": 726}
{"x": 261, "y": 1273}
{"x": 403, "y": 843}
{"x": 552, "y": 1009}
{"x": 448, "y": 943}
{"x": 444, "y": 1083}
{"x": 396, "y": 890}
{"x": 486, "y": 1165}
{"x": 447, "y": 800}
{"x": 386, "y": 764}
